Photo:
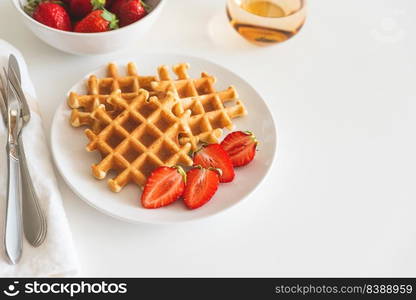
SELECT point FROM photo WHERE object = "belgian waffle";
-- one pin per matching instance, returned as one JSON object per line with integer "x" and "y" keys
{"x": 143, "y": 136}
{"x": 98, "y": 90}
{"x": 138, "y": 123}
{"x": 211, "y": 110}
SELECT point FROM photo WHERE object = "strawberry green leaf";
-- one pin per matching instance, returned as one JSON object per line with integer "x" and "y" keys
{"x": 182, "y": 172}
{"x": 146, "y": 6}
{"x": 97, "y": 4}
{"x": 253, "y": 137}
{"x": 111, "y": 18}
{"x": 31, "y": 5}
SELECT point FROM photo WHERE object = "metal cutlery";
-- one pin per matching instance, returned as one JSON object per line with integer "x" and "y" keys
{"x": 20, "y": 189}
{"x": 13, "y": 235}
{"x": 34, "y": 220}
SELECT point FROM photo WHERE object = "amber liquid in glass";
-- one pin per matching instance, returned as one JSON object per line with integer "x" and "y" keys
{"x": 263, "y": 8}
{"x": 264, "y": 34}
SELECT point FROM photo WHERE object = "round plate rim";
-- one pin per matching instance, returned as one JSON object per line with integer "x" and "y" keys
{"x": 135, "y": 221}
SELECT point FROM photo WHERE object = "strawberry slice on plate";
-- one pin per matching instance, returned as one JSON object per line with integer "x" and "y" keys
{"x": 241, "y": 147}
{"x": 164, "y": 186}
{"x": 214, "y": 156}
{"x": 201, "y": 186}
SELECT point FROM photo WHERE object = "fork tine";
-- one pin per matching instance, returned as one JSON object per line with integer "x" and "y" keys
{"x": 12, "y": 80}
{"x": 11, "y": 86}
{"x": 3, "y": 103}
{"x": 2, "y": 87}
{"x": 15, "y": 82}
{"x": 5, "y": 82}
{"x": 3, "y": 108}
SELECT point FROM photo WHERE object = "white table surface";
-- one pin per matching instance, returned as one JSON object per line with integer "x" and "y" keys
{"x": 341, "y": 199}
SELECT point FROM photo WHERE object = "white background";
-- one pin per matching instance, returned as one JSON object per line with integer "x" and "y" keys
{"x": 340, "y": 201}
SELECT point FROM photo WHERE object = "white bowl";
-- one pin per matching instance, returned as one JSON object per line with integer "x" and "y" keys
{"x": 92, "y": 43}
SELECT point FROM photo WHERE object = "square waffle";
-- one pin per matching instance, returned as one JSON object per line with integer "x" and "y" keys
{"x": 142, "y": 137}
{"x": 138, "y": 123}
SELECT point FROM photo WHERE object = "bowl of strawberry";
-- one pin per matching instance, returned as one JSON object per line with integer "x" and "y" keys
{"x": 89, "y": 27}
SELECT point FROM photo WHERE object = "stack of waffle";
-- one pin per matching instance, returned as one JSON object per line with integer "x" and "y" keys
{"x": 138, "y": 123}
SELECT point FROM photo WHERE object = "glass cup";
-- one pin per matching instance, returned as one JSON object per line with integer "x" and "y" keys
{"x": 267, "y": 22}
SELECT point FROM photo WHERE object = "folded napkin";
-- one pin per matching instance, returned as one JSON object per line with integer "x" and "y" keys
{"x": 56, "y": 256}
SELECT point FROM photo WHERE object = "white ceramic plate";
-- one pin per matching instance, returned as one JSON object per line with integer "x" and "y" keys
{"x": 73, "y": 161}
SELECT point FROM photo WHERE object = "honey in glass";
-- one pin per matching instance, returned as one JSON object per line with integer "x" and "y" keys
{"x": 266, "y": 22}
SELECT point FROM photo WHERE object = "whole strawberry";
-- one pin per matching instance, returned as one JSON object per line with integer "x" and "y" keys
{"x": 52, "y": 15}
{"x": 108, "y": 3}
{"x": 97, "y": 21}
{"x": 81, "y": 8}
{"x": 129, "y": 11}
{"x": 115, "y": 6}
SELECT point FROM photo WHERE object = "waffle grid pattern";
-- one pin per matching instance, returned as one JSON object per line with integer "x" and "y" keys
{"x": 211, "y": 110}
{"x": 138, "y": 123}
{"x": 98, "y": 90}
{"x": 144, "y": 136}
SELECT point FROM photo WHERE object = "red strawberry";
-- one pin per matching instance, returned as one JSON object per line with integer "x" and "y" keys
{"x": 241, "y": 147}
{"x": 215, "y": 157}
{"x": 115, "y": 6}
{"x": 81, "y": 8}
{"x": 131, "y": 11}
{"x": 164, "y": 186}
{"x": 52, "y": 15}
{"x": 201, "y": 185}
{"x": 97, "y": 21}
{"x": 108, "y": 3}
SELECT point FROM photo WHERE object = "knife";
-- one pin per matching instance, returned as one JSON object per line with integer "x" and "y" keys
{"x": 13, "y": 236}
{"x": 34, "y": 221}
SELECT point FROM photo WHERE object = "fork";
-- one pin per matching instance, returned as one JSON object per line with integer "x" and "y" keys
{"x": 35, "y": 225}
{"x": 3, "y": 105}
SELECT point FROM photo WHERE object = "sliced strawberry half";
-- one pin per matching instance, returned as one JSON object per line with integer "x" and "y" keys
{"x": 241, "y": 147}
{"x": 214, "y": 156}
{"x": 201, "y": 186}
{"x": 164, "y": 186}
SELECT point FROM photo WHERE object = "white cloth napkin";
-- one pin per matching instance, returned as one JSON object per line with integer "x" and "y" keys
{"x": 56, "y": 256}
